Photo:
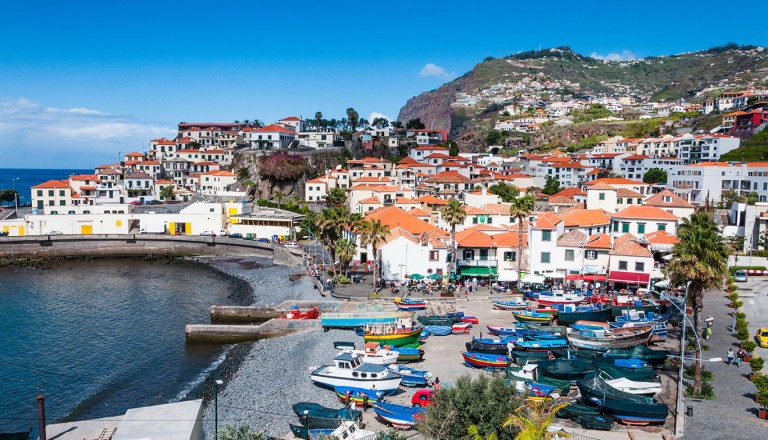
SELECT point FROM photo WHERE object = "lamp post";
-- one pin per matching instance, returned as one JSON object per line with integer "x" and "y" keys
{"x": 15, "y": 197}
{"x": 216, "y": 384}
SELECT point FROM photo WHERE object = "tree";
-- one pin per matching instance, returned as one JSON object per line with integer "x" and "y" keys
{"x": 335, "y": 197}
{"x": 397, "y": 124}
{"x": 700, "y": 260}
{"x": 508, "y": 193}
{"x": 279, "y": 196}
{"x": 194, "y": 145}
{"x": 552, "y": 186}
{"x": 242, "y": 432}
{"x": 380, "y": 122}
{"x": 353, "y": 118}
{"x": 329, "y": 231}
{"x": 483, "y": 402}
{"x": 533, "y": 419}
{"x": 606, "y": 173}
{"x": 453, "y": 148}
{"x": 374, "y": 233}
{"x": 8, "y": 195}
{"x": 453, "y": 213}
{"x": 243, "y": 174}
{"x": 415, "y": 124}
{"x": 655, "y": 175}
{"x": 167, "y": 192}
{"x": 345, "y": 249}
{"x": 763, "y": 242}
{"x": 474, "y": 434}
{"x": 318, "y": 120}
{"x": 521, "y": 209}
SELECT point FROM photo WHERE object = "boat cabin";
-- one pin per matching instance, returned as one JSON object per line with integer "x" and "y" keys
{"x": 347, "y": 361}
{"x": 359, "y": 369}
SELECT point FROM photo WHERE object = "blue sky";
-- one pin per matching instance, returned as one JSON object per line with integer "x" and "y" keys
{"x": 81, "y": 81}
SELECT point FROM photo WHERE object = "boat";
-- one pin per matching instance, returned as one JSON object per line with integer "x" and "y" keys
{"x": 541, "y": 345}
{"x": 543, "y": 327}
{"x": 594, "y": 421}
{"x": 409, "y": 354}
{"x": 645, "y": 374}
{"x": 353, "y": 320}
{"x": 313, "y": 415}
{"x": 653, "y": 357}
{"x": 575, "y": 410}
{"x": 571, "y": 314}
{"x": 634, "y": 387}
{"x": 482, "y": 360}
{"x": 347, "y": 430}
{"x": 374, "y": 353}
{"x": 552, "y": 311}
{"x": 295, "y": 313}
{"x": 488, "y": 346}
{"x": 617, "y": 338}
{"x": 628, "y": 408}
{"x": 645, "y": 306}
{"x": 439, "y": 330}
{"x": 350, "y": 371}
{"x": 411, "y": 376}
{"x": 565, "y": 369}
{"x": 523, "y": 357}
{"x": 516, "y": 304}
{"x": 410, "y": 304}
{"x": 470, "y": 319}
{"x": 437, "y": 320}
{"x": 344, "y": 345}
{"x": 461, "y": 328}
{"x": 589, "y": 325}
{"x": 357, "y": 394}
{"x": 20, "y": 435}
{"x": 401, "y": 333}
{"x": 499, "y": 330}
{"x": 399, "y": 416}
{"x": 631, "y": 318}
{"x": 529, "y": 373}
{"x": 559, "y": 297}
{"x": 531, "y": 316}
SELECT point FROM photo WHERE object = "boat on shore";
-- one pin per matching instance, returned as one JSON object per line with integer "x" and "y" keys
{"x": 531, "y": 316}
{"x": 570, "y": 314}
{"x": 399, "y": 416}
{"x": 500, "y": 330}
{"x": 313, "y": 415}
{"x": 410, "y": 304}
{"x": 542, "y": 345}
{"x": 295, "y": 313}
{"x": 630, "y": 409}
{"x": 482, "y": 360}
{"x": 556, "y": 297}
{"x": 357, "y": 394}
{"x": 401, "y": 333}
{"x": 565, "y": 369}
{"x": 411, "y": 376}
{"x": 516, "y": 304}
{"x": 634, "y": 387}
{"x": 350, "y": 371}
{"x": 653, "y": 357}
{"x": 374, "y": 353}
{"x": 488, "y": 346}
{"x": 351, "y": 320}
{"x": 410, "y": 354}
{"x": 438, "y": 320}
{"x": 617, "y": 338}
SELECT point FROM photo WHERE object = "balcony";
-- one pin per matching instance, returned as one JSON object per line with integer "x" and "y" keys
{"x": 479, "y": 263}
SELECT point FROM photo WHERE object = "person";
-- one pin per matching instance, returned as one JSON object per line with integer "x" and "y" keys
{"x": 466, "y": 294}
{"x": 347, "y": 397}
{"x": 707, "y": 332}
{"x": 352, "y": 406}
{"x": 729, "y": 356}
{"x": 437, "y": 383}
{"x": 365, "y": 401}
{"x": 740, "y": 356}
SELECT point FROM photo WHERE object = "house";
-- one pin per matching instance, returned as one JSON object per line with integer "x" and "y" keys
{"x": 542, "y": 237}
{"x": 295, "y": 123}
{"x": 643, "y": 220}
{"x": 162, "y": 148}
{"x": 630, "y": 263}
{"x": 671, "y": 203}
{"x": 271, "y": 136}
{"x": 216, "y": 182}
{"x": 139, "y": 185}
{"x": 52, "y": 197}
{"x": 476, "y": 254}
{"x": 84, "y": 187}
{"x": 419, "y": 153}
{"x": 404, "y": 253}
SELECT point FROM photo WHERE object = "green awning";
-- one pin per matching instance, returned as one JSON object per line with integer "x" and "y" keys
{"x": 477, "y": 271}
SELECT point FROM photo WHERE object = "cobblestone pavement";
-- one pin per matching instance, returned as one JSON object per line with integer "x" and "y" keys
{"x": 733, "y": 414}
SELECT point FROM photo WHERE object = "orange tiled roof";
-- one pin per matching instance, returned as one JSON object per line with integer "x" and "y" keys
{"x": 601, "y": 185}
{"x": 587, "y": 217}
{"x": 624, "y": 192}
{"x": 84, "y": 177}
{"x": 570, "y": 192}
{"x": 418, "y": 212}
{"x": 674, "y": 201}
{"x": 631, "y": 248}
{"x": 547, "y": 220}
{"x": 51, "y": 184}
{"x": 645, "y": 212}
{"x": 599, "y": 241}
{"x": 448, "y": 177}
{"x": 661, "y": 237}
{"x": 472, "y": 238}
{"x": 615, "y": 181}
{"x": 429, "y": 199}
{"x": 573, "y": 238}
{"x": 392, "y": 216}
{"x": 370, "y": 201}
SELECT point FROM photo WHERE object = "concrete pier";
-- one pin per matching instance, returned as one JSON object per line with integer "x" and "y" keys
{"x": 253, "y": 314}
{"x": 223, "y": 334}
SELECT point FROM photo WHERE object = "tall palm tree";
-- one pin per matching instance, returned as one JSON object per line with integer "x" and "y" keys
{"x": 243, "y": 174}
{"x": 318, "y": 120}
{"x": 699, "y": 260}
{"x": 354, "y": 223}
{"x": 328, "y": 225}
{"x": 279, "y": 196}
{"x": 454, "y": 214}
{"x": 521, "y": 209}
{"x": 532, "y": 419}
{"x": 345, "y": 249}
{"x": 374, "y": 233}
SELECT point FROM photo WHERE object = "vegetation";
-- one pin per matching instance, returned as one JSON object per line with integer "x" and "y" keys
{"x": 167, "y": 193}
{"x": 532, "y": 420}
{"x": 453, "y": 213}
{"x": 700, "y": 260}
{"x": 756, "y": 364}
{"x": 241, "y": 432}
{"x": 345, "y": 249}
{"x": 508, "y": 193}
{"x": 415, "y": 124}
{"x": 483, "y": 402}
{"x": 374, "y": 233}
{"x": 592, "y": 112}
{"x": 521, "y": 209}
{"x": 752, "y": 150}
{"x": 552, "y": 186}
{"x": 335, "y": 197}
{"x": 655, "y": 175}
{"x": 8, "y": 195}
{"x": 281, "y": 167}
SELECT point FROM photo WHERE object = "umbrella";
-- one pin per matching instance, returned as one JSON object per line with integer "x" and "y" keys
{"x": 663, "y": 284}
{"x": 534, "y": 279}
{"x": 507, "y": 275}
{"x": 416, "y": 276}
{"x": 435, "y": 276}
{"x": 553, "y": 275}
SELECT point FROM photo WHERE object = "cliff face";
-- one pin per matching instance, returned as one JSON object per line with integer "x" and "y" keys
{"x": 433, "y": 107}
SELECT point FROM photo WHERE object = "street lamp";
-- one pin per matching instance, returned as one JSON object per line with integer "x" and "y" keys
{"x": 216, "y": 384}
{"x": 15, "y": 197}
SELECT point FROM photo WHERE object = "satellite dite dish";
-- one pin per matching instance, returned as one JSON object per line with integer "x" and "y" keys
{"x": 338, "y": 167}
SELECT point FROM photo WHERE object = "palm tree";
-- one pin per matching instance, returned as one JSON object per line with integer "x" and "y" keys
{"x": 374, "y": 233}
{"x": 279, "y": 196}
{"x": 453, "y": 213}
{"x": 355, "y": 224}
{"x": 532, "y": 420}
{"x": 345, "y": 249}
{"x": 699, "y": 260}
{"x": 318, "y": 120}
{"x": 243, "y": 174}
{"x": 474, "y": 434}
{"x": 521, "y": 209}
{"x": 328, "y": 225}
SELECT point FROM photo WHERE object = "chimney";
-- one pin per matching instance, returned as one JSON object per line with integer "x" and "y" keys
{"x": 41, "y": 417}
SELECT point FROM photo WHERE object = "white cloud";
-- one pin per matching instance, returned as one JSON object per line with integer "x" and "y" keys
{"x": 34, "y": 135}
{"x": 375, "y": 115}
{"x": 431, "y": 70}
{"x": 625, "y": 55}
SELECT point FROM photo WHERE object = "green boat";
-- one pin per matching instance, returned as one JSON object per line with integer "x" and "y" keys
{"x": 437, "y": 320}
{"x": 559, "y": 329}
{"x": 644, "y": 374}
{"x": 630, "y": 409}
{"x": 566, "y": 369}
{"x": 393, "y": 336}
{"x": 617, "y": 310}
{"x": 517, "y": 374}
{"x": 594, "y": 421}
{"x": 653, "y": 357}
{"x": 570, "y": 318}
{"x": 575, "y": 410}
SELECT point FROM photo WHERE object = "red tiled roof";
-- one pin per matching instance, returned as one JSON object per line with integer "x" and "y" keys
{"x": 53, "y": 184}
{"x": 674, "y": 201}
{"x": 645, "y": 212}
{"x": 547, "y": 220}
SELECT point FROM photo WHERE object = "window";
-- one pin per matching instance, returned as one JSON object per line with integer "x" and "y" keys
{"x": 624, "y": 227}
{"x": 469, "y": 254}
{"x": 620, "y": 200}
{"x": 62, "y": 203}
{"x": 50, "y": 193}
{"x": 661, "y": 226}
{"x": 591, "y": 254}
{"x": 510, "y": 256}
{"x": 601, "y": 196}
{"x": 546, "y": 235}
{"x": 622, "y": 265}
{"x": 434, "y": 255}
{"x": 569, "y": 255}
{"x": 629, "y": 201}
{"x": 545, "y": 257}
{"x": 474, "y": 220}
{"x": 639, "y": 267}
{"x": 615, "y": 226}
{"x": 641, "y": 228}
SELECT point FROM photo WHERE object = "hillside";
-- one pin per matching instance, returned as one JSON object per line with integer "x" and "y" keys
{"x": 470, "y": 104}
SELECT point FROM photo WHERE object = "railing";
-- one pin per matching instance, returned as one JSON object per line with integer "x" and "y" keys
{"x": 479, "y": 263}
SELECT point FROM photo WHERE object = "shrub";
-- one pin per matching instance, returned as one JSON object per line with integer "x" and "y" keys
{"x": 741, "y": 316}
{"x": 742, "y": 335}
{"x": 690, "y": 371}
{"x": 738, "y": 303}
{"x": 707, "y": 393}
{"x": 749, "y": 346}
{"x": 342, "y": 279}
{"x": 756, "y": 364}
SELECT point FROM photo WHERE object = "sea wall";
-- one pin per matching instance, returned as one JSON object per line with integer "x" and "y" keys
{"x": 227, "y": 334}
{"x": 121, "y": 245}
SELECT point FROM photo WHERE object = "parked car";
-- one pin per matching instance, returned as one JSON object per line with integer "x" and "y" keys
{"x": 135, "y": 202}
{"x": 291, "y": 244}
{"x": 235, "y": 235}
{"x": 54, "y": 233}
{"x": 762, "y": 337}
{"x": 207, "y": 234}
{"x": 263, "y": 240}
{"x": 740, "y": 276}
{"x": 154, "y": 202}
{"x": 422, "y": 398}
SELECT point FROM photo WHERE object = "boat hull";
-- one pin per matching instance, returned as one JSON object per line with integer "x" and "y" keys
{"x": 480, "y": 360}
{"x": 355, "y": 320}
{"x": 385, "y": 386}
{"x": 570, "y": 318}
{"x": 619, "y": 343}
{"x": 399, "y": 416}
{"x": 521, "y": 317}
{"x": 404, "y": 339}
{"x": 410, "y": 354}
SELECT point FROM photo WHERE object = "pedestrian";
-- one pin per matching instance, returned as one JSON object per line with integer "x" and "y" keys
{"x": 707, "y": 332}
{"x": 352, "y": 406}
{"x": 347, "y": 397}
{"x": 729, "y": 356}
{"x": 466, "y": 294}
{"x": 740, "y": 356}
{"x": 365, "y": 402}
{"x": 437, "y": 383}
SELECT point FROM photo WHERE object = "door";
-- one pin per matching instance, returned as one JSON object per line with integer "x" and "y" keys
{"x": 86, "y": 229}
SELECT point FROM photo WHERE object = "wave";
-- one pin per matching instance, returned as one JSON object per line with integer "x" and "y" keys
{"x": 202, "y": 376}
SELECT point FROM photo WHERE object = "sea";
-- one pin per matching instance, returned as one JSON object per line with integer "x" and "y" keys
{"x": 99, "y": 337}
{"x": 31, "y": 177}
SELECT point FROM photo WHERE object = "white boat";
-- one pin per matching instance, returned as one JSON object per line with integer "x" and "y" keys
{"x": 375, "y": 354}
{"x": 349, "y": 370}
{"x": 347, "y": 430}
{"x": 559, "y": 297}
{"x": 622, "y": 338}
{"x": 632, "y": 387}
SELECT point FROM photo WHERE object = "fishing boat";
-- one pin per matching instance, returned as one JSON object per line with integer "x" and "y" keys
{"x": 499, "y": 330}
{"x": 399, "y": 416}
{"x": 570, "y": 314}
{"x": 353, "y": 320}
{"x": 438, "y": 320}
{"x": 653, "y": 357}
{"x": 542, "y": 345}
{"x": 470, "y": 319}
{"x": 543, "y": 327}
{"x": 482, "y": 360}
{"x": 344, "y": 345}
{"x": 401, "y": 333}
{"x": 488, "y": 346}
{"x": 630, "y": 409}
{"x": 644, "y": 374}
{"x": 374, "y": 353}
{"x": 347, "y": 430}
{"x": 350, "y": 371}
{"x": 411, "y": 376}
{"x": 617, "y": 338}
{"x": 639, "y": 305}
{"x": 633, "y": 318}
{"x": 357, "y": 395}
{"x": 410, "y": 304}
{"x": 529, "y": 373}
{"x": 575, "y": 410}
{"x": 438, "y": 330}
{"x": 461, "y": 328}
{"x": 594, "y": 421}
{"x": 551, "y": 311}
{"x": 523, "y": 357}
{"x": 559, "y": 297}
{"x": 590, "y": 325}
{"x": 634, "y": 387}
{"x": 313, "y": 415}
{"x": 408, "y": 354}
{"x": 530, "y": 316}
{"x": 565, "y": 369}
{"x": 515, "y": 304}
{"x": 295, "y": 313}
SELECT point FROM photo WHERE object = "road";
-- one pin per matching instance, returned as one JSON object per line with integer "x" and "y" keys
{"x": 754, "y": 294}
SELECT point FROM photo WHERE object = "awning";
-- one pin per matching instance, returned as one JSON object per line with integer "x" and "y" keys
{"x": 477, "y": 271}
{"x": 585, "y": 277}
{"x": 554, "y": 275}
{"x": 533, "y": 279}
{"x": 618, "y": 276}
{"x": 508, "y": 275}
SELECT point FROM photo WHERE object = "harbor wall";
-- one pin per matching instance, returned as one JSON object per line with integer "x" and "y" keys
{"x": 121, "y": 245}
{"x": 224, "y": 334}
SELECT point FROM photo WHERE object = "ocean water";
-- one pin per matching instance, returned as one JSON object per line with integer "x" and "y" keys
{"x": 99, "y": 337}
{"x": 31, "y": 177}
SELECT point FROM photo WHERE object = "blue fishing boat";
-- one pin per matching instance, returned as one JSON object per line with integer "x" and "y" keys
{"x": 357, "y": 394}
{"x": 411, "y": 376}
{"x": 410, "y": 304}
{"x": 499, "y": 330}
{"x": 408, "y": 354}
{"x": 438, "y": 330}
{"x": 487, "y": 361}
{"x": 631, "y": 318}
{"x": 568, "y": 314}
{"x": 543, "y": 345}
{"x": 313, "y": 415}
{"x": 399, "y": 416}
{"x": 353, "y": 320}
{"x": 456, "y": 314}
{"x": 516, "y": 304}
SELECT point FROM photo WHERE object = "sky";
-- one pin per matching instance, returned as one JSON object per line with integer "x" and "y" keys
{"x": 82, "y": 81}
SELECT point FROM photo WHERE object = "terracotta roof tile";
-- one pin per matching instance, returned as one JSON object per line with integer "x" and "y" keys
{"x": 631, "y": 248}
{"x": 624, "y": 192}
{"x": 570, "y": 192}
{"x": 472, "y": 238}
{"x": 661, "y": 237}
{"x": 53, "y": 184}
{"x": 547, "y": 220}
{"x": 573, "y": 238}
{"x": 674, "y": 201}
{"x": 645, "y": 212}
{"x": 392, "y": 216}
{"x": 587, "y": 217}
{"x": 599, "y": 241}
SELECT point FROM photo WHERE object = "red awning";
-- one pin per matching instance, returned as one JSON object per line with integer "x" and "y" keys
{"x": 573, "y": 277}
{"x": 618, "y": 276}
{"x": 577, "y": 277}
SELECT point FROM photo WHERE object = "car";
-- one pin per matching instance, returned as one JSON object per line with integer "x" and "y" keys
{"x": 291, "y": 244}
{"x": 740, "y": 276}
{"x": 263, "y": 240}
{"x": 207, "y": 234}
{"x": 154, "y": 202}
{"x": 54, "y": 233}
{"x": 422, "y": 398}
{"x": 235, "y": 235}
{"x": 135, "y": 202}
{"x": 762, "y": 337}
{"x": 3, "y": 234}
